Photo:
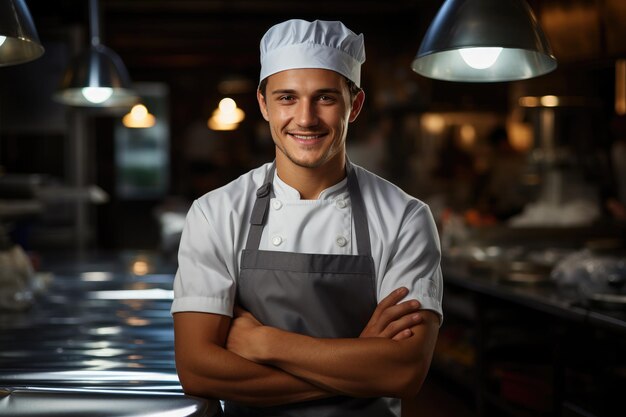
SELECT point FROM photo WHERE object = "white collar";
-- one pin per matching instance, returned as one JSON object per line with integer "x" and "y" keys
{"x": 283, "y": 190}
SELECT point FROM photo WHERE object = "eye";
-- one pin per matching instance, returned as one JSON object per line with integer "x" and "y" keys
{"x": 326, "y": 99}
{"x": 286, "y": 98}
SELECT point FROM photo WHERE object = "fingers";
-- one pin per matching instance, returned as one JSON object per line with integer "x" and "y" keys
{"x": 392, "y": 315}
{"x": 389, "y": 301}
{"x": 401, "y": 329}
{"x": 393, "y": 319}
{"x": 404, "y": 334}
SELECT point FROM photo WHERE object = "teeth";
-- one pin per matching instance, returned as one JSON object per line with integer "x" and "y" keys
{"x": 306, "y": 137}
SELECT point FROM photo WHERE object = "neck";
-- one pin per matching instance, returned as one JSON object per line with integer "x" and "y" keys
{"x": 310, "y": 182}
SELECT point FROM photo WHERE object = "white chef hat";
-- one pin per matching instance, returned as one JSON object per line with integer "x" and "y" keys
{"x": 320, "y": 44}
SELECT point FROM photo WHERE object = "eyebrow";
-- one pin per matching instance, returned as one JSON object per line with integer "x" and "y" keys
{"x": 320, "y": 91}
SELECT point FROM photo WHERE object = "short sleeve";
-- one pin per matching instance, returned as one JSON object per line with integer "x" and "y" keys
{"x": 203, "y": 282}
{"x": 415, "y": 261}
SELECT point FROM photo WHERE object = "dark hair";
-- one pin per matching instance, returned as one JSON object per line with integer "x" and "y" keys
{"x": 352, "y": 87}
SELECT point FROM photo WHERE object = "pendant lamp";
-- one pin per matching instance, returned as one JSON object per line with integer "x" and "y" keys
{"x": 484, "y": 41}
{"x": 19, "y": 41}
{"x": 98, "y": 78}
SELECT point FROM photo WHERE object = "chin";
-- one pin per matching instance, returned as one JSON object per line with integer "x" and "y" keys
{"x": 307, "y": 162}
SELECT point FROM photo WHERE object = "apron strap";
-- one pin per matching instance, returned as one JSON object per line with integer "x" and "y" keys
{"x": 261, "y": 208}
{"x": 361, "y": 228}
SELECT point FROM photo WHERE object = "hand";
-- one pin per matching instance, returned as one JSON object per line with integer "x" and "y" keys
{"x": 392, "y": 319}
{"x": 243, "y": 334}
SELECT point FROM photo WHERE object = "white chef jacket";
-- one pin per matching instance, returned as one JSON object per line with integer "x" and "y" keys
{"x": 404, "y": 240}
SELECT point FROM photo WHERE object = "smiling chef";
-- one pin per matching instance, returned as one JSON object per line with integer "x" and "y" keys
{"x": 308, "y": 286}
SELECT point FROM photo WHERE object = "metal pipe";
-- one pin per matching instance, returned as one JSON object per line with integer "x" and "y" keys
{"x": 94, "y": 22}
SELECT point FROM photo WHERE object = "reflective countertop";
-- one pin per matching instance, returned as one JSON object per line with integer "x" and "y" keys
{"x": 100, "y": 327}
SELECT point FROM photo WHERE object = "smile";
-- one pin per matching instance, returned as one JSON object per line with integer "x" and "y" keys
{"x": 306, "y": 137}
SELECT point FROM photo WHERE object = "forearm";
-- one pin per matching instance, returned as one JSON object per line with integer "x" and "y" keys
{"x": 206, "y": 369}
{"x": 362, "y": 367}
{"x": 226, "y": 376}
{"x": 384, "y": 361}
{"x": 369, "y": 367}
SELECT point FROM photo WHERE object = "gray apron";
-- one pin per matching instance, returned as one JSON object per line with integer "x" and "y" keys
{"x": 327, "y": 296}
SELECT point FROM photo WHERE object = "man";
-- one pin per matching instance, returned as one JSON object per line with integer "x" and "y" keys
{"x": 288, "y": 297}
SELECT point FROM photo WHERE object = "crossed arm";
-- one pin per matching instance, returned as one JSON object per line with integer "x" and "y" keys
{"x": 242, "y": 360}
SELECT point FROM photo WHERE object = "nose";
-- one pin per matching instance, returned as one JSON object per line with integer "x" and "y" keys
{"x": 306, "y": 114}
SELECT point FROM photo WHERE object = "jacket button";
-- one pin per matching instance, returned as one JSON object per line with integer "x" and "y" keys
{"x": 341, "y": 204}
{"x": 276, "y": 204}
{"x": 341, "y": 241}
{"x": 277, "y": 240}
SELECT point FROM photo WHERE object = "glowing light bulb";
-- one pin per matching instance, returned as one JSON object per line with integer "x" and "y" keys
{"x": 2, "y": 39}
{"x": 139, "y": 111}
{"x": 549, "y": 101}
{"x": 97, "y": 95}
{"x": 227, "y": 105}
{"x": 480, "y": 58}
{"x": 227, "y": 116}
{"x": 139, "y": 117}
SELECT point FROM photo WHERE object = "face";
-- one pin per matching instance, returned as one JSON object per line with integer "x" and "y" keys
{"x": 308, "y": 111}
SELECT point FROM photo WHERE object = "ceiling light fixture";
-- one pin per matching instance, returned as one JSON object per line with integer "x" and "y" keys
{"x": 227, "y": 116}
{"x": 19, "y": 41}
{"x": 98, "y": 78}
{"x": 138, "y": 117}
{"x": 484, "y": 41}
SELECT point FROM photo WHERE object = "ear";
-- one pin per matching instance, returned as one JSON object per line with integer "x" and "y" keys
{"x": 357, "y": 105}
{"x": 262, "y": 105}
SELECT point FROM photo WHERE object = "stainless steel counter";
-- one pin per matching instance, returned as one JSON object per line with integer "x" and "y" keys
{"x": 99, "y": 339}
{"x": 546, "y": 298}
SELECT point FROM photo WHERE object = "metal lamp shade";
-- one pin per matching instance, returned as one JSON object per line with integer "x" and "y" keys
{"x": 507, "y": 24}
{"x": 16, "y": 25}
{"x": 98, "y": 67}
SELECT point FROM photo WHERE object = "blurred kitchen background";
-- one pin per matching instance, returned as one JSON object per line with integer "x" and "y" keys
{"x": 526, "y": 179}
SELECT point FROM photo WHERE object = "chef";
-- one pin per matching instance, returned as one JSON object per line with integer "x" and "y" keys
{"x": 308, "y": 286}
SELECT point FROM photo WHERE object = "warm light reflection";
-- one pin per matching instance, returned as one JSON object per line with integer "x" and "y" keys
{"x": 138, "y": 118}
{"x": 467, "y": 135}
{"x": 227, "y": 116}
{"x": 528, "y": 101}
{"x": 433, "y": 123}
{"x": 139, "y": 285}
{"x": 137, "y": 321}
{"x": 480, "y": 58}
{"x": 135, "y": 365}
{"x": 140, "y": 267}
{"x": 544, "y": 101}
{"x": 134, "y": 304}
{"x": 521, "y": 136}
{"x": 549, "y": 101}
{"x": 97, "y": 95}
